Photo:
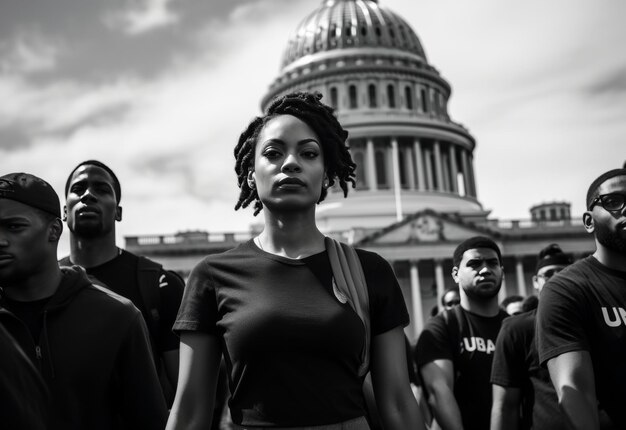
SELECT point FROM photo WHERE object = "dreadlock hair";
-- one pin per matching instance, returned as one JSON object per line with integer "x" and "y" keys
{"x": 321, "y": 118}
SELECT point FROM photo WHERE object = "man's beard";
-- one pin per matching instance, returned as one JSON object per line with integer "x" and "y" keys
{"x": 610, "y": 239}
{"x": 482, "y": 294}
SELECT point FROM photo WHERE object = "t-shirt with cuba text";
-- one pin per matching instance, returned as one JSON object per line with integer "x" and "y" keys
{"x": 292, "y": 349}
{"x": 583, "y": 308}
{"x": 470, "y": 344}
{"x": 516, "y": 365}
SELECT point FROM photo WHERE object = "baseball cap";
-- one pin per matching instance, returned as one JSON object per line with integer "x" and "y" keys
{"x": 30, "y": 190}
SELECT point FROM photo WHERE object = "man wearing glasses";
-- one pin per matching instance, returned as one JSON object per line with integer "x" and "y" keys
{"x": 523, "y": 395}
{"x": 581, "y": 319}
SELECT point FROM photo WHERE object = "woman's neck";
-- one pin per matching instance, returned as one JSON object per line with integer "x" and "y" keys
{"x": 293, "y": 235}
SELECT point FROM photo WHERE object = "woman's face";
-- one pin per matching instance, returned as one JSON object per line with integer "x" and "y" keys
{"x": 288, "y": 165}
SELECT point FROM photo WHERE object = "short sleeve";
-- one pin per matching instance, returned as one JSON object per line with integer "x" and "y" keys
{"x": 198, "y": 309}
{"x": 171, "y": 288}
{"x": 433, "y": 343}
{"x": 560, "y": 321}
{"x": 387, "y": 307}
{"x": 509, "y": 365}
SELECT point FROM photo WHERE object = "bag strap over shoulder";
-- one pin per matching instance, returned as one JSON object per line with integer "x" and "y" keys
{"x": 349, "y": 279}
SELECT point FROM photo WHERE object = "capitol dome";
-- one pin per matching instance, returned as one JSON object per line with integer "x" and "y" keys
{"x": 369, "y": 64}
{"x": 340, "y": 24}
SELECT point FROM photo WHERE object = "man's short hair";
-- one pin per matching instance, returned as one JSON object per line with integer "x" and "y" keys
{"x": 593, "y": 188}
{"x": 473, "y": 243}
{"x": 116, "y": 183}
{"x": 31, "y": 191}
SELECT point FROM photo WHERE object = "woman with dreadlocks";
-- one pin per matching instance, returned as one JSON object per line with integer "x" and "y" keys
{"x": 291, "y": 344}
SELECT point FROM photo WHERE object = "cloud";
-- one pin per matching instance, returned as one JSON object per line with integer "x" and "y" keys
{"x": 170, "y": 137}
{"x": 61, "y": 106}
{"x": 28, "y": 52}
{"x": 534, "y": 93}
{"x": 142, "y": 17}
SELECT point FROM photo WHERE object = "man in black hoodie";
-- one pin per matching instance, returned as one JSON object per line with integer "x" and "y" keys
{"x": 90, "y": 345}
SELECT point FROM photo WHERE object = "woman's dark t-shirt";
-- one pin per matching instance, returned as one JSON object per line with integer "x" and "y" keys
{"x": 292, "y": 349}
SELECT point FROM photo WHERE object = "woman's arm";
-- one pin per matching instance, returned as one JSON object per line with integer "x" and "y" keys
{"x": 200, "y": 355}
{"x": 396, "y": 404}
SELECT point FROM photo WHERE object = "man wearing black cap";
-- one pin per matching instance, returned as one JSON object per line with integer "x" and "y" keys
{"x": 93, "y": 195}
{"x": 455, "y": 350}
{"x": 581, "y": 319}
{"x": 90, "y": 345}
{"x": 523, "y": 395}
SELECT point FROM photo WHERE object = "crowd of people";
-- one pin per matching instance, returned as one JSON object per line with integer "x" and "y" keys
{"x": 292, "y": 329}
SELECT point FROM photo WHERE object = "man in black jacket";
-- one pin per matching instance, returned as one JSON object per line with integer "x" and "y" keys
{"x": 91, "y": 346}
{"x": 93, "y": 193}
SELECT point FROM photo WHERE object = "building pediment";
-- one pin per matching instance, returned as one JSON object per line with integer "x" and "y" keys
{"x": 425, "y": 227}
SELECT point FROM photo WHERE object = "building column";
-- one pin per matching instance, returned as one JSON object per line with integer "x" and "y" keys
{"x": 472, "y": 178}
{"x": 438, "y": 166}
{"x": 408, "y": 167}
{"x": 389, "y": 160}
{"x": 445, "y": 164}
{"x": 429, "y": 170}
{"x": 416, "y": 298}
{"x": 502, "y": 293}
{"x": 439, "y": 280}
{"x": 519, "y": 271}
{"x": 370, "y": 172}
{"x": 454, "y": 171}
{"x": 466, "y": 178}
{"x": 419, "y": 165}
{"x": 397, "y": 186}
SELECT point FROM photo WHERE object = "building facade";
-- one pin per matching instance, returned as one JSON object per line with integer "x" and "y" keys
{"x": 416, "y": 196}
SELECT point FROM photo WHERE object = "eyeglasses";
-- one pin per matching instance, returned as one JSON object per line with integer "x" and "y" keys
{"x": 549, "y": 273}
{"x": 611, "y": 202}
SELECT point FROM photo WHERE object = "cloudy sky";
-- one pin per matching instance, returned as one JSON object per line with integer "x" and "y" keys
{"x": 160, "y": 90}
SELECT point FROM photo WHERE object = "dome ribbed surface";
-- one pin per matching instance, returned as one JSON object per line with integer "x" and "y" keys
{"x": 341, "y": 24}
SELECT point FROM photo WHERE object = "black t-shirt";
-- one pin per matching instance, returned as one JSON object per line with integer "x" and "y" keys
{"x": 516, "y": 364}
{"x": 469, "y": 344}
{"x": 120, "y": 276}
{"x": 292, "y": 349}
{"x": 583, "y": 308}
{"x": 30, "y": 313}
